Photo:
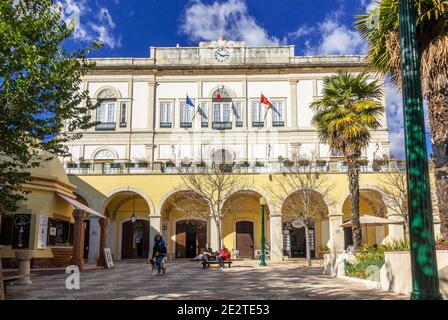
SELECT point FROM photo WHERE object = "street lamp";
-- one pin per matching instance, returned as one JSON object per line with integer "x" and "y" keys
{"x": 262, "y": 258}
{"x": 425, "y": 281}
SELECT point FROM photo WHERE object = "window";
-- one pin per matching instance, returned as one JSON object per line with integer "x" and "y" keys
{"x": 222, "y": 115}
{"x": 186, "y": 115}
{"x": 60, "y": 233}
{"x": 123, "y": 115}
{"x": 203, "y": 110}
{"x": 104, "y": 155}
{"x": 6, "y": 230}
{"x": 258, "y": 113}
{"x": 105, "y": 115}
{"x": 278, "y": 119}
{"x": 238, "y": 113}
{"x": 165, "y": 115}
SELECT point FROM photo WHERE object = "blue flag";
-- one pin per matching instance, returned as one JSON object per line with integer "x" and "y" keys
{"x": 189, "y": 102}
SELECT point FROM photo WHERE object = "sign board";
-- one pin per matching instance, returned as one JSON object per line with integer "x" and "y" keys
{"x": 52, "y": 231}
{"x": 43, "y": 232}
{"x": 108, "y": 258}
{"x": 165, "y": 230}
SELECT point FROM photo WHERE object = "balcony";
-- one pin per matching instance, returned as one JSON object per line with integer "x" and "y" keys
{"x": 204, "y": 124}
{"x": 166, "y": 125}
{"x": 277, "y": 124}
{"x": 239, "y": 124}
{"x": 258, "y": 167}
{"x": 123, "y": 124}
{"x": 257, "y": 124}
{"x": 222, "y": 125}
{"x": 106, "y": 126}
{"x": 186, "y": 125}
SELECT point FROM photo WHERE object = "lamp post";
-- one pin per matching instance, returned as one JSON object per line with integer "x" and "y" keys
{"x": 262, "y": 258}
{"x": 425, "y": 282}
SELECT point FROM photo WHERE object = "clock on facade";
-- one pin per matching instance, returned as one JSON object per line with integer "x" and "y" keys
{"x": 222, "y": 54}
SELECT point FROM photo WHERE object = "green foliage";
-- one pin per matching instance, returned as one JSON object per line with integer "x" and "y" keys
{"x": 324, "y": 248}
{"x": 399, "y": 245}
{"x": 367, "y": 255}
{"x": 39, "y": 92}
{"x": 349, "y": 108}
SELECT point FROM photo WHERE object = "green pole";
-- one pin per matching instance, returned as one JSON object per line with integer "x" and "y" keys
{"x": 262, "y": 258}
{"x": 425, "y": 282}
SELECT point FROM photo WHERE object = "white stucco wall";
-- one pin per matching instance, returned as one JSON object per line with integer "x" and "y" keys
{"x": 138, "y": 151}
{"x": 304, "y": 99}
{"x": 209, "y": 87}
{"x": 176, "y": 90}
{"x": 140, "y": 105}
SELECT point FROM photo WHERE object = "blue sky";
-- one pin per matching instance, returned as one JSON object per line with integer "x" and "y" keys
{"x": 129, "y": 27}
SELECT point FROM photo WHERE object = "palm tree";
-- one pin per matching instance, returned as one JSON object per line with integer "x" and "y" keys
{"x": 384, "y": 54}
{"x": 349, "y": 108}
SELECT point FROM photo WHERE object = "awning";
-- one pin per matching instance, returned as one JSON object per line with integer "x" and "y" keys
{"x": 371, "y": 220}
{"x": 80, "y": 206}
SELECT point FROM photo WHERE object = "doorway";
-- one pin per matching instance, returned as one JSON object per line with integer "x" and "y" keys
{"x": 245, "y": 238}
{"x": 191, "y": 238}
{"x": 86, "y": 238}
{"x": 295, "y": 241}
{"x": 135, "y": 240}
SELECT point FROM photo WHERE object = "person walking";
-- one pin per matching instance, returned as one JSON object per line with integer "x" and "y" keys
{"x": 159, "y": 252}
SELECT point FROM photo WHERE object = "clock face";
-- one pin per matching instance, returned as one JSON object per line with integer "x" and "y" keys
{"x": 222, "y": 55}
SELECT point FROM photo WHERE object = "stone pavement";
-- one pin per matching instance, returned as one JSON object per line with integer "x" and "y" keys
{"x": 186, "y": 280}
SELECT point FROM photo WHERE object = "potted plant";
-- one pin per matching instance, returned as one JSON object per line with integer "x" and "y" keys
{"x": 129, "y": 165}
{"x": 85, "y": 165}
{"x": 115, "y": 165}
{"x": 321, "y": 163}
{"x": 245, "y": 164}
{"x": 201, "y": 164}
{"x": 363, "y": 162}
{"x": 143, "y": 164}
{"x": 169, "y": 164}
{"x": 72, "y": 165}
{"x": 288, "y": 163}
{"x": 259, "y": 164}
{"x": 304, "y": 163}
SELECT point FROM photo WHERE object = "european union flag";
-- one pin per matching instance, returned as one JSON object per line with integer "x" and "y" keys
{"x": 189, "y": 102}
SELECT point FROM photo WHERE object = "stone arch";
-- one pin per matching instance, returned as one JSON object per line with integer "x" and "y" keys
{"x": 100, "y": 149}
{"x": 364, "y": 187}
{"x": 85, "y": 197}
{"x": 226, "y": 92}
{"x": 116, "y": 93}
{"x": 109, "y": 196}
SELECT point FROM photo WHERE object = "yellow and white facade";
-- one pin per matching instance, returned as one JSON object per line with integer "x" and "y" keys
{"x": 123, "y": 167}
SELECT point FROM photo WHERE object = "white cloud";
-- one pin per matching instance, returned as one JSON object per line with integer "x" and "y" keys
{"x": 228, "y": 18}
{"x": 335, "y": 38}
{"x": 88, "y": 27}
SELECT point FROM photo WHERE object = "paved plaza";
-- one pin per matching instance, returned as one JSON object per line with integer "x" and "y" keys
{"x": 186, "y": 280}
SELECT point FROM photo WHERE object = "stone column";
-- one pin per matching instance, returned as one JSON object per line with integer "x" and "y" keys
{"x": 276, "y": 236}
{"x": 24, "y": 257}
{"x": 294, "y": 107}
{"x": 396, "y": 231}
{"x": 78, "y": 239}
{"x": 336, "y": 242}
{"x": 94, "y": 240}
{"x": 104, "y": 224}
{"x": 151, "y": 103}
{"x": 155, "y": 227}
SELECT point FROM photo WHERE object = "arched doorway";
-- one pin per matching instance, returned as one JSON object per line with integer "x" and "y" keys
{"x": 294, "y": 214}
{"x": 135, "y": 240}
{"x": 191, "y": 238}
{"x": 185, "y": 217}
{"x": 370, "y": 203}
{"x": 129, "y": 225}
{"x": 245, "y": 242}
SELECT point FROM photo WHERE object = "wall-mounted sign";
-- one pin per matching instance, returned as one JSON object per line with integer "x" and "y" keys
{"x": 43, "y": 232}
{"x": 53, "y": 231}
{"x": 165, "y": 230}
{"x": 108, "y": 258}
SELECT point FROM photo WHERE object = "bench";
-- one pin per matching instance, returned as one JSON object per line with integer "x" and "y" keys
{"x": 210, "y": 262}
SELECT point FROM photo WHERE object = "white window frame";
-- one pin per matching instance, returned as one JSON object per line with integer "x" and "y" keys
{"x": 204, "y": 107}
{"x": 186, "y": 113}
{"x": 106, "y": 112}
{"x": 280, "y": 106}
{"x": 165, "y": 113}
{"x": 224, "y": 109}
{"x": 258, "y": 116}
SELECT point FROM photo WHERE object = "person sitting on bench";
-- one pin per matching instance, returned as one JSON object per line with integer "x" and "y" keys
{"x": 207, "y": 255}
{"x": 223, "y": 255}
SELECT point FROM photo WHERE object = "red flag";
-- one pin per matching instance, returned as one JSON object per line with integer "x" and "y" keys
{"x": 265, "y": 101}
{"x": 218, "y": 96}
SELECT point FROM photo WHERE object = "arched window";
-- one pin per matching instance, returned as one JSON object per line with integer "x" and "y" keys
{"x": 104, "y": 155}
{"x": 105, "y": 113}
{"x": 221, "y": 94}
{"x": 222, "y": 108}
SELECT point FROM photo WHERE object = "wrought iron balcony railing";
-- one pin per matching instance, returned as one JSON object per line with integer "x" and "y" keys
{"x": 222, "y": 125}
{"x": 106, "y": 126}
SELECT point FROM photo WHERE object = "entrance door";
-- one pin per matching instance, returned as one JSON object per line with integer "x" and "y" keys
{"x": 191, "y": 237}
{"x": 135, "y": 240}
{"x": 245, "y": 238}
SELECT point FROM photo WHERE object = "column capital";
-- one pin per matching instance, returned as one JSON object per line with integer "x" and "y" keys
{"x": 104, "y": 222}
{"x": 78, "y": 213}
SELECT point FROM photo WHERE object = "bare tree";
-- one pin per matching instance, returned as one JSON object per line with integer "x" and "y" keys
{"x": 394, "y": 187}
{"x": 300, "y": 194}
{"x": 205, "y": 192}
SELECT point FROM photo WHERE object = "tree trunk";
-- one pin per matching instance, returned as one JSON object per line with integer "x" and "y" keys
{"x": 353, "y": 177}
{"x": 218, "y": 233}
{"x": 307, "y": 244}
{"x": 2, "y": 289}
{"x": 438, "y": 117}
